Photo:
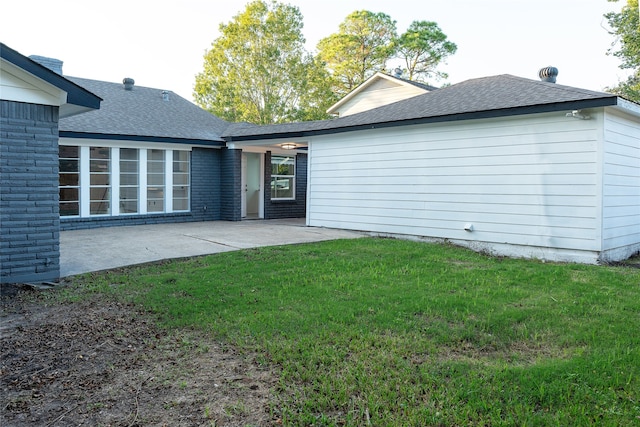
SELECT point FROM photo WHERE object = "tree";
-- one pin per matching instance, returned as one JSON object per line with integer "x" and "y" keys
{"x": 422, "y": 47}
{"x": 363, "y": 45}
{"x": 258, "y": 70}
{"x": 626, "y": 27}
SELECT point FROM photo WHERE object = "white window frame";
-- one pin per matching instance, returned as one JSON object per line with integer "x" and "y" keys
{"x": 188, "y": 184}
{"x": 77, "y": 187}
{"x": 117, "y": 196}
{"x": 293, "y": 180}
{"x": 85, "y": 175}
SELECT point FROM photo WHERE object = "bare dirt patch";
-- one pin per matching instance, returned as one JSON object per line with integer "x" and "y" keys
{"x": 103, "y": 363}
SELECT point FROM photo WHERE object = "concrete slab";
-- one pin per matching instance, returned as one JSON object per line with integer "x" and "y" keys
{"x": 83, "y": 251}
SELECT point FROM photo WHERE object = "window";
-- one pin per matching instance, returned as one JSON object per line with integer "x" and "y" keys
{"x": 69, "y": 160}
{"x": 283, "y": 177}
{"x": 155, "y": 180}
{"x": 123, "y": 181}
{"x": 129, "y": 180}
{"x": 181, "y": 180}
{"x": 99, "y": 180}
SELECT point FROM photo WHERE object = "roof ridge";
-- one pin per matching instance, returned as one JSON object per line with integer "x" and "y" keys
{"x": 137, "y": 86}
{"x": 567, "y": 88}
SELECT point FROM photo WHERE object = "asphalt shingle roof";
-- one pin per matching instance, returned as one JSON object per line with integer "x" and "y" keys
{"x": 494, "y": 96}
{"x": 142, "y": 112}
{"x": 417, "y": 84}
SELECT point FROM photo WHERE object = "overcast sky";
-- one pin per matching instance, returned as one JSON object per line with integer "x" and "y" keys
{"x": 161, "y": 43}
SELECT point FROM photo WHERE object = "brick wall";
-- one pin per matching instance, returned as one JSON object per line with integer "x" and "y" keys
{"x": 230, "y": 183}
{"x": 277, "y": 209}
{"x": 205, "y": 184}
{"x": 29, "y": 216}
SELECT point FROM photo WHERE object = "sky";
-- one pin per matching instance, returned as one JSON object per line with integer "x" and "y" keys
{"x": 161, "y": 43}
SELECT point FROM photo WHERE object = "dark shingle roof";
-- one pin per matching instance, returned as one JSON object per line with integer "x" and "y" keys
{"x": 142, "y": 114}
{"x": 417, "y": 84}
{"x": 495, "y": 96}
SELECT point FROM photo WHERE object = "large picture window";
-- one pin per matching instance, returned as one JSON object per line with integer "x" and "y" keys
{"x": 283, "y": 177}
{"x": 98, "y": 181}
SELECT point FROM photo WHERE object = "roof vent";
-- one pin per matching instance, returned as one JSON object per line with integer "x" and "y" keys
{"x": 53, "y": 64}
{"x": 165, "y": 95}
{"x": 548, "y": 74}
{"x": 128, "y": 83}
{"x": 397, "y": 72}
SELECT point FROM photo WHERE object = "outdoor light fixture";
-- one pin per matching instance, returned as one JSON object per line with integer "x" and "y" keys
{"x": 288, "y": 146}
{"x": 578, "y": 114}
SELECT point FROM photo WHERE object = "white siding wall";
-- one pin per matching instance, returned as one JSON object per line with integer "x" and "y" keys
{"x": 621, "y": 185}
{"x": 380, "y": 93}
{"x": 527, "y": 184}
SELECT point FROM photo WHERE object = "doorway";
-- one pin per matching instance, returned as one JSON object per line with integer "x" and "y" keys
{"x": 252, "y": 185}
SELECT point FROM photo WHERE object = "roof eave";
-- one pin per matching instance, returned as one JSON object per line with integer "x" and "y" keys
{"x": 627, "y": 106}
{"x": 141, "y": 138}
{"x": 76, "y": 95}
{"x": 474, "y": 115}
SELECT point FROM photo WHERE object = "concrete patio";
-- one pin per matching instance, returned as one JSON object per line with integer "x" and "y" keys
{"x": 83, "y": 251}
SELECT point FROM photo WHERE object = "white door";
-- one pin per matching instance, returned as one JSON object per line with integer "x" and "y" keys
{"x": 252, "y": 184}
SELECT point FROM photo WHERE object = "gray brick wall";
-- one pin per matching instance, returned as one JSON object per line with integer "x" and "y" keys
{"x": 230, "y": 182}
{"x": 29, "y": 217}
{"x": 278, "y": 209}
{"x": 205, "y": 198}
{"x": 205, "y": 184}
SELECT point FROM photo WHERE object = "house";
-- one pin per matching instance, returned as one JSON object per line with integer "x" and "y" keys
{"x": 378, "y": 90}
{"x": 149, "y": 156}
{"x": 32, "y": 99}
{"x": 501, "y": 164}
{"x": 138, "y": 156}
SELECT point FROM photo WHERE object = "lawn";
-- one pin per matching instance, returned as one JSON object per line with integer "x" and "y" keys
{"x": 390, "y": 332}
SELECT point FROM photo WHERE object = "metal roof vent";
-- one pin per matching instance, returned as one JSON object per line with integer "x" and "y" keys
{"x": 548, "y": 74}
{"x": 128, "y": 83}
{"x": 165, "y": 95}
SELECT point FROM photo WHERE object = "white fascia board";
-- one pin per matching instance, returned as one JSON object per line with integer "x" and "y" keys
{"x": 21, "y": 86}
{"x": 628, "y": 107}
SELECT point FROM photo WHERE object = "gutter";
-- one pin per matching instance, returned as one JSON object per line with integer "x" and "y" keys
{"x": 475, "y": 115}
{"x": 141, "y": 138}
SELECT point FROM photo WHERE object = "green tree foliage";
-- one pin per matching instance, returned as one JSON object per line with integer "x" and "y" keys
{"x": 422, "y": 47}
{"x": 259, "y": 72}
{"x": 366, "y": 41}
{"x": 363, "y": 44}
{"x": 625, "y": 26}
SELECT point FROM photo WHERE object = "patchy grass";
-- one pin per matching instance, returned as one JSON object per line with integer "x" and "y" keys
{"x": 389, "y": 332}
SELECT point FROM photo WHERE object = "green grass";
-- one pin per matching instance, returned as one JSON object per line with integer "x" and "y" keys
{"x": 390, "y": 332}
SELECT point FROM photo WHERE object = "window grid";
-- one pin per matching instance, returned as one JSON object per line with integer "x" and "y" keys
{"x": 99, "y": 180}
{"x": 122, "y": 181}
{"x": 129, "y": 181}
{"x": 155, "y": 180}
{"x": 283, "y": 177}
{"x": 69, "y": 186}
{"x": 181, "y": 180}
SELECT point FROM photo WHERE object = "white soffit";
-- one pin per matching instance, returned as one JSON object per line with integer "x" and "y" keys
{"x": 20, "y": 86}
